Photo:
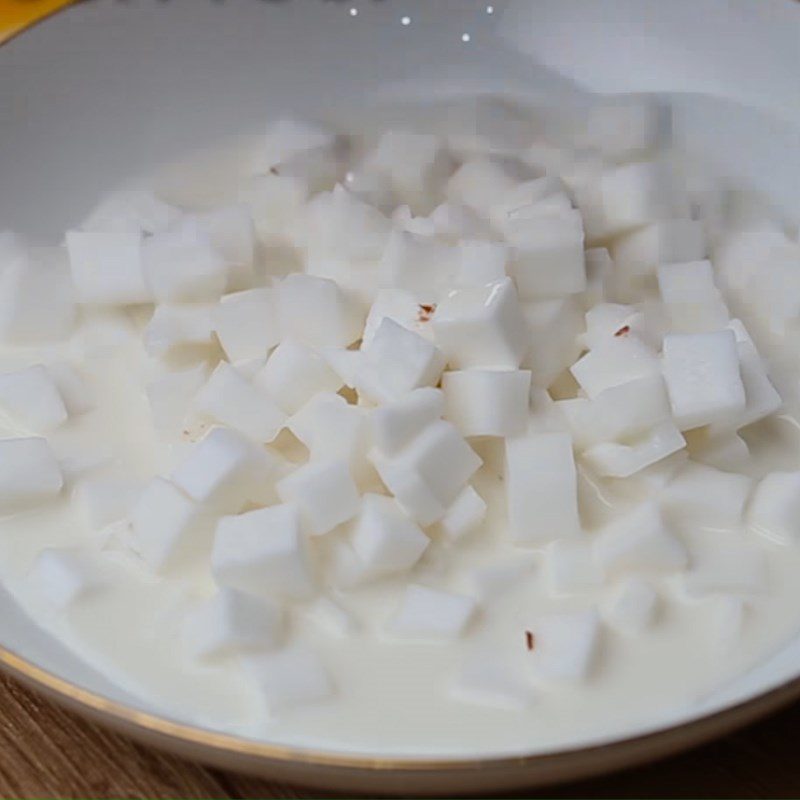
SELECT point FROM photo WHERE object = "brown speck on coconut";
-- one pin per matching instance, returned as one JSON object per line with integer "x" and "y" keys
{"x": 425, "y": 312}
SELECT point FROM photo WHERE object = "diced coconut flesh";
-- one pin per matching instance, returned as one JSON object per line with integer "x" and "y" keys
{"x": 65, "y": 575}
{"x": 487, "y": 402}
{"x": 233, "y": 621}
{"x": 736, "y": 567}
{"x": 639, "y": 542}
{"x": 426, "y": 613}
{"x": 263, "y": 552}
{"x": 482, "y": 326}
{"x": 230, "y": 399}
{"x": 564, "y": 645}
{"x": 633, "y": 607}
{"x": 169, "y": 527}
{"x": 324, "y": 492}
{"x": 178, "y": 326}
{"x": 225, "y": 470}
{"x": 482, "y": 680}
{"x": 294, "y": 676}
{"x": 541, "y": 488}
{"x": 106, "y": 499}
{"x": 395, "y": 424}
{"x": 571, "y": 568}
{"x": 384, "y": 538}
{"x": 30, "y": 397}
{"x": 330, "y": 616}
{"x": 774, "y": 509}
{"x": 466, "y": 513}
{"x": 29, "y": 473}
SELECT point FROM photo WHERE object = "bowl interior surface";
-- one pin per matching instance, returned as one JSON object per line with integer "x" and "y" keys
{"x": 106, "y": 91}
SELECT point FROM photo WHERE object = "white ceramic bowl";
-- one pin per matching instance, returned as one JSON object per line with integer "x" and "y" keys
{"x": 108, "y": 90}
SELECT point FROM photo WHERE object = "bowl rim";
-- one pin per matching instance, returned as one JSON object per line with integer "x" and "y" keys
{"x": 658, "y": 741}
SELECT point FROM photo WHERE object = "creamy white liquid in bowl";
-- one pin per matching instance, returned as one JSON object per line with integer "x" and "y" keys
{"x": 411, "y": 443}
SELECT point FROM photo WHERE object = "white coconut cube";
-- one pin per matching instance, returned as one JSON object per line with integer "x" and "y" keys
{"x": 415, "y": 163}
{"x": 263, "y": 552}
{"x": 247, "y": 323}
{"x": 294, "y": 373}
{"x": 564, "y": 645}
{"x": 481, "y": 262}
{"x": 173, "y": 327}
{"x": 464, "y": 515}
{"x": 726, "y": 451}
{"x": 639, "y": 193}
{"x": 107, "y": 268}
{"x": 169, "y": 396}
{"x": 169, "y": 528}
{"x": 482, "y": 326}
{"x": 541, "y": 488}
{"x": 774, "y": 510}
{"x": 555, "y": 327}
{"x": 614, "y": 361}
{"x": 487, "y": 402}
{"x": 641, "y": 251}
{"x": 702, "y": 496}
{"x": 331, "y": 428}
{"x": 231, "y": 399}
{"x": 422, "y": 265}
{"x": 693, "y": 302}
{"x": 397, "y": 361}
{"x": 632, "y": 608}
{"x": 454, "y": 222}
{"x": 402, "y": 307}
{"x": 639, "y": 542}
{"x": 232, "y": 622}
{"x": 434, "y": 467}
{"x": 394, "y": 425}
{"x": 64, "y": 575}
{"x": 29, "y": 473}
{"x": 292, "y": 677}
{"x": 599, "y": 273}
{"x": 104, "y": 499}
{"x": 427, "y": 613}
{"x": 131, "y": 211}
{"x": 409, "y": 488}
{"x": 480, "y": 185}
{"x": 324, "y": 492}
{"x": 523, "y": 197}
{"x": 343, "y": 362}
{"x": 547, "y": 255}
{"x": 620, "y": 413}
{"x": 608, "y": 320}
{"x": 761, "y": 397}
{"x": 225, "y": 470}
{"x": 72, "y": 386}
{"x": 735, "y": 567}
{"x": 570, "y": 568}
{"x": 404, "y": 219}
{"x": 31, "y": 399}
{"x": 482, "y": 680}
{"x": 385, "y": 538}
{"x": 339, "y": 225}
{"x": 231, "y": 232}
{"x": 330, "y": 617}
{"x": 36, "y": 300}
{"x": 314, "y": 311}
{"x": 276, "y": 204}
{"x": 182, "y": 266}
{"x": 703, "y": 378}
{"x": 623, "y": 128}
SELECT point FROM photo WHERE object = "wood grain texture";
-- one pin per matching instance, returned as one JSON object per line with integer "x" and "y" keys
{"x": 48, "y": 752}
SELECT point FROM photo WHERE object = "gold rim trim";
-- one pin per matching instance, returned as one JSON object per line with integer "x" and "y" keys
{"x": 701, "y": 729}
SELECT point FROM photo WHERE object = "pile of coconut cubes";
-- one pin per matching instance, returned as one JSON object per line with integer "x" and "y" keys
{"x": 382, "y": 307}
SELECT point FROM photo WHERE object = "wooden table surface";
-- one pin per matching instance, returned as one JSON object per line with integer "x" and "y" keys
{"x": 48, "y": 752}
